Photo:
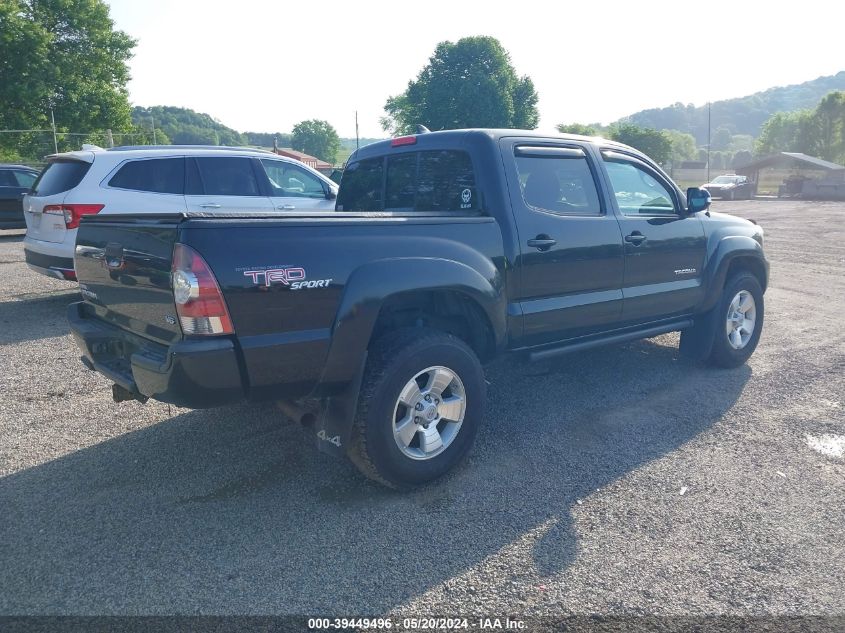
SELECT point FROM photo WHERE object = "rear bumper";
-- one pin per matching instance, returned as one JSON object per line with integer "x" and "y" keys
{"x": 50, "y": 265}
{"x": 197, "y": 374}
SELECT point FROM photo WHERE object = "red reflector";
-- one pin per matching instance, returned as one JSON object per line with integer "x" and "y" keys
{"x": 201, "y": 308}
{"x": 73, "y": 212}
{"x": 403, "y": 140}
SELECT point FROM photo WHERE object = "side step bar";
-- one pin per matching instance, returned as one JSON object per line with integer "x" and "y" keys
{"x": 622, "y": 337}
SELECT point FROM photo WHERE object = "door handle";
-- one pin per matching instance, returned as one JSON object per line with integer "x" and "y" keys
{"x": 210, "y": 205}
{"x": 542, "y": 242}
{"x": 636, "y": 238}
{"x": 286, "y": 207}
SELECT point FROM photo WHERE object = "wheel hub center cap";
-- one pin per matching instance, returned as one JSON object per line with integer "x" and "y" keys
{"x": 430, "y": 412}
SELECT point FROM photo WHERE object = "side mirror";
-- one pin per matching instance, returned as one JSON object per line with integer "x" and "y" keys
{"x": 332, "y": 194}
{"x": 697, "y": 200}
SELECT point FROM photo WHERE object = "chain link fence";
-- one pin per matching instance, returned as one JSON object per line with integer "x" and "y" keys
{"x": 29, "y": 147}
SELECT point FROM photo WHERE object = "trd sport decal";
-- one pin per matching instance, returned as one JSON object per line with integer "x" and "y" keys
{"x": 291, "y": 276}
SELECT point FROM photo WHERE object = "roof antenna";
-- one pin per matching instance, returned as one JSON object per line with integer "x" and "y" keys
{"x": 421, "y": 129}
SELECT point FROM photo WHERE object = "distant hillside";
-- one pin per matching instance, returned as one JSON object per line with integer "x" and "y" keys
{"x": 744, "y": 115}
{"x": 186, "y": 127}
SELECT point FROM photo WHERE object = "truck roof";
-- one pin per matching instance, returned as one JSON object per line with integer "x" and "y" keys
{"x": 448, "y": 137}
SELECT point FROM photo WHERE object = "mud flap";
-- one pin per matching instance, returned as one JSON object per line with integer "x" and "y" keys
{"x": 697, "y": 341}
{"x": 336, "y": 414}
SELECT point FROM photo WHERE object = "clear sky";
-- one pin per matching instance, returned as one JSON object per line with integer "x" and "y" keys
{"x": 264, "y": 65}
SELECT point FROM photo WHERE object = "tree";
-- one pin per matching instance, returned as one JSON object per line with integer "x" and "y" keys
{"x": 830, "y": 122}
{"x": 185, "y": 126}
{"x": 721, "y": 138}
{"x": 470, "y": 83}
{"x": 683, "y": 146}
{"x": 655, "y": 144}
{"x": 742, "y": 158}
{"x": 577, "y": 128}
{"x": 65, "y": 55}
{"x": 317, "y": 138}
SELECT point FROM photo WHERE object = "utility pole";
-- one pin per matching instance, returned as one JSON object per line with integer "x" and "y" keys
{"x": 357, "y": 146}
{"x": 153, "y": 121}
{"x": 708, "y": 141}
{"x": 55, "y": 142}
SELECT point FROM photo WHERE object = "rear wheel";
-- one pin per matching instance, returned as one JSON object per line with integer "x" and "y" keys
{"x": 739, "y": 321}
{"x": 421, "y": 404}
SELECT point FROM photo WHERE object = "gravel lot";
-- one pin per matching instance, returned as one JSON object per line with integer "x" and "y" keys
{"x": 619, "y": 481}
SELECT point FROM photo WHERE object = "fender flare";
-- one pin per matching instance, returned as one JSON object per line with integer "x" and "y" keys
{"x": 727, "y": 250}
{"x": 375, "y": 282}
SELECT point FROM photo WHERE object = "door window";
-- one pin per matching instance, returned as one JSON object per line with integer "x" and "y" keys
{"x": 637, "y": 191}
{"x": 156, "y": 175}
{"x": 288, "y": 180}
{"x": 25, "y": 178}
{"x": 227, "y": 176}
{"x": 6, "y": 178}
{"x": 558, "y": 180}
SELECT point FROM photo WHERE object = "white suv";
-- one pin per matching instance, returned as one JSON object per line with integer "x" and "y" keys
{"x": 162, "y": 179}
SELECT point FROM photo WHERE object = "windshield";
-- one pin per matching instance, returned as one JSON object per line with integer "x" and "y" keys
{"x": 726, "y": 180}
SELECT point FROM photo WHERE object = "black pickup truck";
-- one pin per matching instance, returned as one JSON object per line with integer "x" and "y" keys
{"x": 371, "y": 323}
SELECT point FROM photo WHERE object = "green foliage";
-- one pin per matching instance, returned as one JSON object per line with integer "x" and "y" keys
{"x": 186, "y": 127}
{"x": 745, "y": 115}
{"x": 721, "y": 138}
{"x": 742, "y": 142}
{"x": 577, "y": 128}
{"x": 470, "y": 83}
{"x": 742, "y": 158}
{"x": 655, "y": 144}
{"x": 683, "y": 146}
{"x": 819, "y": 132}
{"x": 317, "y": 138}
{"x": 265, "y": 139}
{"x": 63, "y": 54}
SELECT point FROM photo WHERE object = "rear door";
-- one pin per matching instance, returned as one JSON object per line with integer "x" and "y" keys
{"x": 123, "y": 267}
{"x": 146, "y": 185}
{"x": 664, "y": 247}
{"x": 49, "y": 190}
{"x": 293, "y": 187}
{"x": 571, "y": 260}
{"x": 225, "y": 184}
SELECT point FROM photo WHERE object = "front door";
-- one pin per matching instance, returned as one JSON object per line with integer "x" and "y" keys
{"x": 571, "y": 259}
{"x": 664, "y": 247}
{"x": 294, "y": 188}
{"x": 225, "y": 184}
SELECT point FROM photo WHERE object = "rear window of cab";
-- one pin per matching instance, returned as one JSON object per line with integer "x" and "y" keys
{"x": 424, "y": 181}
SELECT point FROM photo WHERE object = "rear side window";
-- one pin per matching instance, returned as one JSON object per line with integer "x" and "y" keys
{"x": 60, "y": 176}
{"x": 25, "y": 178}
{"x": 227, "y": 176}
{"x": 362, "y": 185}
{"x": 414, "y": 181}
{"x": 157, "y": 175}
{"x": 558, "y": 180}
{"x": 7, "y": 179}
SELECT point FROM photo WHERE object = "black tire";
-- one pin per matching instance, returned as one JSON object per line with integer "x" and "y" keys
{"x": 722, "y": 354}
{"x": 392, "y": 362}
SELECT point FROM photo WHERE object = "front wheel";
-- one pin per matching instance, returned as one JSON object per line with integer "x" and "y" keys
{"x": 420, "y": 407}
{"x": 739, "y": 321}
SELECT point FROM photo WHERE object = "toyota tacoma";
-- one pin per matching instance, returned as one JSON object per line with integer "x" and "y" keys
{"x": 371, "y": 323}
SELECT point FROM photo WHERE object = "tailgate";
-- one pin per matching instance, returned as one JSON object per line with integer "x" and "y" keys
{"x": 123, "y": 266}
